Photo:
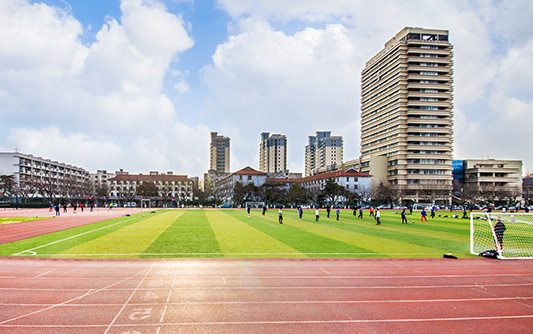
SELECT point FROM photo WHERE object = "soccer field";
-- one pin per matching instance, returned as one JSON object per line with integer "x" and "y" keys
{"x": 229, "y": 233}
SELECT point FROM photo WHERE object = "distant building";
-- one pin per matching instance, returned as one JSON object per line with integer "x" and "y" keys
{"x": 44, "y": 177}
{"x": 219, "y": 153}
{"x": 484, "y": 173}
{"x": 226, "y": 185}
{"x": 527, "y": 189}
{"x": 123, "y": 187}
{"x": 323, "y": 152}
{"x": 273, "y": 153}
{"x": 407, "y": 113}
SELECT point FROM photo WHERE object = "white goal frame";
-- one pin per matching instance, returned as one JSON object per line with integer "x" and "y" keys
{"x": 482, "y": 229}
{"x": 257, "y": 204}
{"x": 149, "y": 205}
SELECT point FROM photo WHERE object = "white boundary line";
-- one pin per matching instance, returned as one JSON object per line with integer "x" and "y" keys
{"x": 131, "y": 296}
{"x": 293, "y": 302}
{"x": 281, "y": 276}
{"x": 219, "y": 253}
{"x": 291, "y": 288}
{"x": 225, "y": 323}
{"x": 31, "y": 250}
{"x": 88, "y": 293}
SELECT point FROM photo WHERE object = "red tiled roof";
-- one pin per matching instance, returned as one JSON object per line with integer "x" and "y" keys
{"x": 330, "y": 175}
{"x": 147, "y": 177}
{"x": 282, "y": 180}
{"x": 248, "y": 171}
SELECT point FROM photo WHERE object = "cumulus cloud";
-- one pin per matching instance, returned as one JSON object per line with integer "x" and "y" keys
{"x": 99, "y": 105}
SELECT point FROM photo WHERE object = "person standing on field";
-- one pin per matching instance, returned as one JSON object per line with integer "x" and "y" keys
{"x": 317, "y": 214}
{"x": 360, "y": 213}
{"x": 300, "y": 212}
{"x": 423, "y": 216}
{"x": 248, "y": 211}
{"x": 280, "y": 216}
{"x": 377, "y": 217}
{"x": 499, "y": 229}
{"x": 404, "y": 218}
{"x": 371, "y": 211}
{"x": 328, "y": 209}
{"x": 338, "y": 212}
{"x": 264, "y": 209}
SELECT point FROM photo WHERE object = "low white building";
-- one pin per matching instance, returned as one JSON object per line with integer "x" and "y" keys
{"x": 246, "y": 175}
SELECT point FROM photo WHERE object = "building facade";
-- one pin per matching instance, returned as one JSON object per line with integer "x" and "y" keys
{"x": 226, "y": 185}
{"x": 323, "y": 152}
{"x": 40, "y": 177}
{"x": 407, "y": 109}
{"x": 123, "y": 187}
{"x": 273, "y": 153}
{"x": 219, "y": 153}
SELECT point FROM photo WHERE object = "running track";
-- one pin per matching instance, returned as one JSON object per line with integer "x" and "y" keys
{"x": 266, "y": 296}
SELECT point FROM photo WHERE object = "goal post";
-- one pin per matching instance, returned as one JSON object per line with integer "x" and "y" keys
{"x": 252, "y": 205}
{"x": 149, "y": 204}
{"x": 510, "y": 234}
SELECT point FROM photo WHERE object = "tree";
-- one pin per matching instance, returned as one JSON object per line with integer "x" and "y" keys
{"x": 333, "y": 192}
{"x": 382, "y": 194}
{"x": 238, "y": 193}
{"x": 272, "y": 193}
{"x": 7, "y": 185}
{"x": 147, "y": 190}
{"x": 297, "y": 194}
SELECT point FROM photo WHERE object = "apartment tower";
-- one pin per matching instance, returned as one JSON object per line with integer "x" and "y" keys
{"x": 273, "y": 153}
{"x": 219, "y": 153}
{"x": 407, "y": 109}
{"x": 323, "y": 153}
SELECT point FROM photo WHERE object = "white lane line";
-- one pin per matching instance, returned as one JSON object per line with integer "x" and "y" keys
{"x": 389, "y": 301}
{"x": 224, "y": 280}
{"x": 89, "y": 292}
{"x": 127, "y": 301}
{"x": 290, "y": 277}
{"x": 163, "y": 315}
{"x": 31, "y": 250}
{"x": 279, "y": 322}
{"x": 47, "y": 272}
{"x": 294, "y": 287}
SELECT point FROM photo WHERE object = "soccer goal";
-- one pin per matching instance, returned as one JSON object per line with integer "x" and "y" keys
{"x": 510, "y": 234}
{"x": 148, "y": 205}
{"x": 255, "y": 205}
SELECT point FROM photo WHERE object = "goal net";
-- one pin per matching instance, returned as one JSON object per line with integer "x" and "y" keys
{"x": 510, "y": 234}
{"x": 254, "y": 205}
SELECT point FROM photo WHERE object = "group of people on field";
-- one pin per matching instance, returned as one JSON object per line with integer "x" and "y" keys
{"x": 57, "y": 207}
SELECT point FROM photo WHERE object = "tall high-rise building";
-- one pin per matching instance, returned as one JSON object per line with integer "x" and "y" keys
{"x": 323, "y": 153}
{"x": 219, "y": 153}
{"x": 273, "y": 153}
{"x": 407, "y": 109}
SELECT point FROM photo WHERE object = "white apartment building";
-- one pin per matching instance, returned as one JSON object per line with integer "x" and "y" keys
{"x": 273, "y": 153}
{"x": 43, "y": 177}
{"x": 123, "y": 187}
{"x": 226, "y": 185}
{"x": 324, "y": 152}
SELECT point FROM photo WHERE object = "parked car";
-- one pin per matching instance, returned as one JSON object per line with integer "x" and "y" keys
{"x": 130, "y": 205}
{"x": 279, "y": 206}
{"x": 224, "y": 206}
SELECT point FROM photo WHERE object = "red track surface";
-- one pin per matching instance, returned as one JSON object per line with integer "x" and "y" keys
{"x": 266, "y": 296}
{"x": 24, "y": 230}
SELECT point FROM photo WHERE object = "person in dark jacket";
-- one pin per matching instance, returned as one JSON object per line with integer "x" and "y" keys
{"x": 499, "y": 229}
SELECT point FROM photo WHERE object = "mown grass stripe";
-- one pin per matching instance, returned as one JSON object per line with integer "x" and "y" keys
{"x": 128, "y": 242}
{"x": 190, "y": 234}
{"x": 236, "y": 237}
{"x": 97, "y": 230}
{"x": 309, "y": 243}
{"x": 374, "y": 242}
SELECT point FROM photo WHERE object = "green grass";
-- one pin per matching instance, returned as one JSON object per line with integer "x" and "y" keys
{"x": 230, "y": 233}
{"x": 10, "y": 220}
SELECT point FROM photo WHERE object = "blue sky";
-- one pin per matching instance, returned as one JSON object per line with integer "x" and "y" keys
{"x": 139, "y": 84}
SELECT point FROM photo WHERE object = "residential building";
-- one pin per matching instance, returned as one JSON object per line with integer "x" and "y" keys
{"x": 527, "y": 190}
{"x": 220, "y": 153}
{"x": 407, "y": 110}
{"x": 323, "y": 152}
{"x": 350, "y": 179}
{"x": 273, "y": 153}
{"x": 226, "y": 185}
{"x": 123, "y": 187}
{"x": 101, "y": 177}
{"x": 39, "y": 177}
{"x": 483, "y": 173}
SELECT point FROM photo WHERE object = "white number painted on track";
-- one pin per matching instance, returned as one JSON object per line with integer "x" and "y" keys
{"x": 140, "y": 313}
{"x": 156, "y": 283}
{"x": 149, "y": 296}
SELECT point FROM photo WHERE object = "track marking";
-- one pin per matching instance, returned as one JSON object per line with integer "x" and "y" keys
{"x": 47, "y": 272}
{"x": 295, "y": 287}
{"x": 90, "y": 292}
{"x": 31, "y": 250}
{"x": 225, "y": 323}
{"x": 325, "y": 271}
{"x": 222, "y": 253}
{"x": 390, "y": 301}
{"x": 131, "y": 296}
{"x": 163, "y": 315}
{"x": 224, "y": 280}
